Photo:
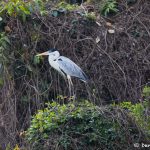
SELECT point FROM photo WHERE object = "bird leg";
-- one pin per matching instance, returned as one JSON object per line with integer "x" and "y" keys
{"x": 71, "y": 88}
{"x": 73, "y": 94}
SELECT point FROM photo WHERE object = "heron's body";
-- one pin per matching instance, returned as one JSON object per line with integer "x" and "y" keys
{"x": 66, "y": 67}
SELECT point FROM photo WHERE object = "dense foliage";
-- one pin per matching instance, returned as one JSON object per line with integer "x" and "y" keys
{"x": 84, "y": 126}
{"x": 139, "y": 113}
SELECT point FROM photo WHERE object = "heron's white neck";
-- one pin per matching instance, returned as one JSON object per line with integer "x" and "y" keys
{"x": 53, "y": 55}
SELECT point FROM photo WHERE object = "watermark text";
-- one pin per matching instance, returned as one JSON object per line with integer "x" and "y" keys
{"x": 141, "y": 145}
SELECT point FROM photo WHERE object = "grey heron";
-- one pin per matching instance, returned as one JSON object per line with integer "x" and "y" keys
{"x": 66, "y": 67}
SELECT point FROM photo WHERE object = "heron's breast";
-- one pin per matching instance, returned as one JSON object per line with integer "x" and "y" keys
{"x": 55, "y": 65}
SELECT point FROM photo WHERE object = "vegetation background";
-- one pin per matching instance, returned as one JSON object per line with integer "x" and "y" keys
{"x": 109, "y": 39}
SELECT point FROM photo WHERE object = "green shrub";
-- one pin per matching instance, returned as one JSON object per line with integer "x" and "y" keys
{"x": 4, "y": 45}
{"x": 139, "y": 112}
{"x": 146, "y": 92}
{"x": 108, "y": 7}
{"x": 66, "y": 6}
{"x": 74, "y": 126}
{"x": 15, "y": 7}
{"x": 21, "y": 8}
{"x": 91, "y": 16}
{"x": 4, "y": 54}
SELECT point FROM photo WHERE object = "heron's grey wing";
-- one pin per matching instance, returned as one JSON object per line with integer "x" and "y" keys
{"x": 70, "y": 68}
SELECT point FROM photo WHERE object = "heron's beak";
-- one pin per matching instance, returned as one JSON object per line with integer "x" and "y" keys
{"x": 45, "y": 53}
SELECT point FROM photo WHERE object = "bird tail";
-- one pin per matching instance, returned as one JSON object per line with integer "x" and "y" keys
{"x": 85, "y": 78}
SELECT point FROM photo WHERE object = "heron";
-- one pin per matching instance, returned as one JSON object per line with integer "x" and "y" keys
{"x": 65, "y": 66}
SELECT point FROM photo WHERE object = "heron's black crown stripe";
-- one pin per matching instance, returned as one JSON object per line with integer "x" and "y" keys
{"x": 52, "y": 50}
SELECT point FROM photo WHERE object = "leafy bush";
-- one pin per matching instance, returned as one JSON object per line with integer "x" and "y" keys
{"x": 4, "y": 44}
{"x": 66, "y": 6}
{"x": 146, "y": 92}
{"x": 21, "y": 8}
{"x": 91, "y": 16}
{"x": 108, "y": 7}
{"x": 4, "y": 41}
{"x": 74, "y": 126}
{"x": 138, "y": 112}
{"x": 15, "y": 7}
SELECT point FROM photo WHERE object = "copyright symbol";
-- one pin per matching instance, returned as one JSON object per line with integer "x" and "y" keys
{"x": 136, "y": 144}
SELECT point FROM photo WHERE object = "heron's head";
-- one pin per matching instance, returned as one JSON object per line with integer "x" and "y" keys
{"x": 51, "y": 53}
{"x": 52, "y": 50}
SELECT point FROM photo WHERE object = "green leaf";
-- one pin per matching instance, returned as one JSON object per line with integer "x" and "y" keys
{"x": 24, "y": 9}
{"x": 10, "y": 10}
{"x": 36, "y": 60}
{"x": 7, "y": 39}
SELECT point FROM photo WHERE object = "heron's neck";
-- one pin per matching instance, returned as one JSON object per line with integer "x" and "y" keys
{"x": 54, "y": 55}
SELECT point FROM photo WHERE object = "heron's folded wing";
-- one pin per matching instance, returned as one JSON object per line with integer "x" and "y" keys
{"x": 70, "y": 68}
